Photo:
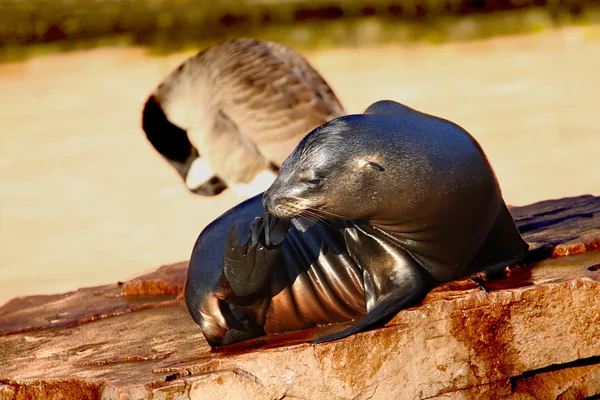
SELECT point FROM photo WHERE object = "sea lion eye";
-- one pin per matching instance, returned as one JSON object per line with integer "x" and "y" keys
{"x": 310, "y": 177}
{"x": 374, "y": 166}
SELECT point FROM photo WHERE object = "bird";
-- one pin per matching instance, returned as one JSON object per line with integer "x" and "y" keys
{"x": 230, "y": 115}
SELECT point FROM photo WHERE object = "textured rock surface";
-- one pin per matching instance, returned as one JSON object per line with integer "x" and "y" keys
{"x": 533, "y": 333}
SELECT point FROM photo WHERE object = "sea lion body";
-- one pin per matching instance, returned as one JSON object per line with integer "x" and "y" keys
{"x": 401, "y": 201}
{"x": 284, "y": 295}
{"x": 229, "y": 116}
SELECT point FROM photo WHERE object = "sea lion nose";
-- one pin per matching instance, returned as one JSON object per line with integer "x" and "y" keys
{"x": 267, "y": 200}
{"x": 271, "y": 195}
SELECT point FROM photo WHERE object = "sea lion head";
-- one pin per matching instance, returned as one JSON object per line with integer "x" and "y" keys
{"x": 333, "y": 173}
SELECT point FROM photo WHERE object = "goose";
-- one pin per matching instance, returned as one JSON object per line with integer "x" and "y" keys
{"x": 230, "y": 115}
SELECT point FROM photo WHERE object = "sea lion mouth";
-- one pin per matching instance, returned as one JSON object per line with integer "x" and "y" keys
{"x": 285, "y": 208}
{"x": 291, "y": 209}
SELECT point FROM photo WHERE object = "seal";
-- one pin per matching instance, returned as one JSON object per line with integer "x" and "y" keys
{"x": 367, "y": 214}
{"x": 229, "y": 116}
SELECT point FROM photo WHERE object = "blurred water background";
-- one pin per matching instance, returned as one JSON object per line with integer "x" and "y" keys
{"x": 85, "y": 200}
{"x": 35, "y": 26}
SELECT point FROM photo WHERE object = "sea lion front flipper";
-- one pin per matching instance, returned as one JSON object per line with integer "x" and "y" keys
{"x": 251, "y": 251}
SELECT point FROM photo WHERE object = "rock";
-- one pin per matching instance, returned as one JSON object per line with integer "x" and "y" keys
{"x": 560, "y": 227}
{"x": 575, "y": 382}
{"x": 533, "y": 333}
{"x": 168, "y": 279}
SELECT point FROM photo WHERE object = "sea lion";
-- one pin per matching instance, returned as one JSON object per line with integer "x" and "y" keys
{"x": 230, "y": 115}
{"x": 367, "y": 214}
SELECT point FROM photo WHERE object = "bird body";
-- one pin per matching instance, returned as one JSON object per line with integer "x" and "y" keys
{"x": 230, "y": 115}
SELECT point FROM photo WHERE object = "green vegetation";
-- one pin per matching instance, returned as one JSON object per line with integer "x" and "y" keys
{"x": 37, "y": 26}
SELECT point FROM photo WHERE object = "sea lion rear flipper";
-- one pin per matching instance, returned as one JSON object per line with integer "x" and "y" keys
{"x": 276, "y": 230}
{"x": 251, "y": 251}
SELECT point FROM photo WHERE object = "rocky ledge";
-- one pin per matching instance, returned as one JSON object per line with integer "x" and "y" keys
{"x": 533, "y": 333}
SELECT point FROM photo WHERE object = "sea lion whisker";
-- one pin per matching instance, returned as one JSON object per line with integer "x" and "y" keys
{"x": 323, "y": 221}
{"x": 329, "y": 213}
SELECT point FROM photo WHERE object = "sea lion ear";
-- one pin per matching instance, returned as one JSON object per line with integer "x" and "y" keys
{"x": 372, "y": 165}
{"x": 388, "y": 107}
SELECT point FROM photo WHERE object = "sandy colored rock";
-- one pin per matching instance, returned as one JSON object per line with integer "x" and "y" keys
{"x": 532, "y": 333}
{"x": 168, "y": 279}
{"x": 569, "y": 383}
{"x": 571, "y": 232}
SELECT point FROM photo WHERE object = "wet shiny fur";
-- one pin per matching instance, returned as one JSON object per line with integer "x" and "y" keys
{"x": 366, "y": 215}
